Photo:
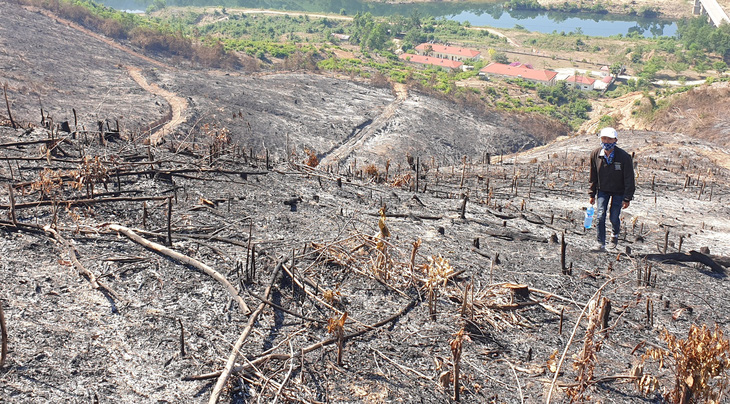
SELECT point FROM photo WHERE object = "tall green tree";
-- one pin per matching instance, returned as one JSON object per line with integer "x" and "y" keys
{"x": 720, "y": 67}
{"x": 677, "y": 67}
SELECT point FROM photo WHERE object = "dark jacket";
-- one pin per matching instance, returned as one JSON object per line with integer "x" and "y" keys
{"x": 616, "y": 178}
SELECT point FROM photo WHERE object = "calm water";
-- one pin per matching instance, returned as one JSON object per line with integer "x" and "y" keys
{"x": 481, "y": 14}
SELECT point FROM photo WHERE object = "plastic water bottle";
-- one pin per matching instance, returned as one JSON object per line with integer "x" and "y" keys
{"x": 589, "y": 218}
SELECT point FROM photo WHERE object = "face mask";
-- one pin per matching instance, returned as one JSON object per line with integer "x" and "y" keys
{"x": 607, "y": 146}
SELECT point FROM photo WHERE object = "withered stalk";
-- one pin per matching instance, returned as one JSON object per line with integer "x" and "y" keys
{"x": 4, "y": 332}
{"x": 7, "y": 104}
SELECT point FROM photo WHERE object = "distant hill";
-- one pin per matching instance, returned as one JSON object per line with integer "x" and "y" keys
{"x": 54, "y": 66}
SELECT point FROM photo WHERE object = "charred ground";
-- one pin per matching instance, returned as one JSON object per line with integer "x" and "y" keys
{"x": 122, "y": 341}
{"x": 93, "y": 315}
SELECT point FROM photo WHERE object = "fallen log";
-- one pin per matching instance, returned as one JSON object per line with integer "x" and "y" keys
{"x": 7, "y": 104}
{"x": 515, "y": 236}
{"x": 405, "y": 215}
{"x": 483, "y": 254}
{"x": 223, "y": 378}
{"x": 724, "y": 261}
{"x": 692, "y": 256}
{"x": 168, "y": 172}
{"x": 285, "y": 310}
{"x": 74, "y": 202}
{"x": 184, "y": 259}
{"x": 31, "y": 142}
{"x": 27, "y": 227}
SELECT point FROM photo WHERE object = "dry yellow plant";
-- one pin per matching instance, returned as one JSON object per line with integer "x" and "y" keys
{"x": 91, "y": 171}
{"x": 700, "y": 364}
{"x": 311, "y": 160}
{"x": 438, "y": 270}
{"x": 382, "y": 263}
{"x": 584, "y": 363}
{"x": 332, "y": 296}
{"x": 456, "y": 346}
{"x": 336, "y": 327}
{"x": 48, "y": 183}
{"x": 372, "y": 171}
{"x": 404, "y": 180}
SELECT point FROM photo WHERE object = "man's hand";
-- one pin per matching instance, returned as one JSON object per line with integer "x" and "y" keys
{"x": 626, "y": 204}
{"x": 593, "y": 200}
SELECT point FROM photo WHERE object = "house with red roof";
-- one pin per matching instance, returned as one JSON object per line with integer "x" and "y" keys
{"x": 432, "y": 61}
{"x": 603, "y": 83}
{"x": 447, "y": 52}
{"x": 580, "y": 82}
{"x": 546, "y": 77}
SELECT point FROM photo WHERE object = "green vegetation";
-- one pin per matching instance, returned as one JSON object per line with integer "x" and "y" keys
{"x": 697, "y": 35}
{"x": 607, "y": 121}
{"x": 156, "y": 5}
{"x": 566, "y": 7}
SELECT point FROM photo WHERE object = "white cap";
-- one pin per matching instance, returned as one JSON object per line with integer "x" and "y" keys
{"x": 609, "y": 132}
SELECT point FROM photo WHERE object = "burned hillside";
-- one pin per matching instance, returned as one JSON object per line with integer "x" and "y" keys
{"x": 303, "y": 238}
{"x": 96, "y": 81}
{"x": 90, "y": 312}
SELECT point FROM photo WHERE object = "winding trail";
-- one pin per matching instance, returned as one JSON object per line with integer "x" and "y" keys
{"x": 178, "y": 105}
{"x": 497, "y": 33}
{"x": 358, "y": 138}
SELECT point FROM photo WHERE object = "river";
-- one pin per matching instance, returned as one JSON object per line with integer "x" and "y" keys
{"x": 477, "y": 14}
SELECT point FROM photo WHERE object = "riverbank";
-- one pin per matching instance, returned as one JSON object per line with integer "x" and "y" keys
{"x": 673, "y": 9}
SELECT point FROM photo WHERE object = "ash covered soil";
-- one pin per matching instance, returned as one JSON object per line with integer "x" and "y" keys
{"x": 49, "y": 66}
{"x": 93, "y": 315}
{"x": 124, "y": 341}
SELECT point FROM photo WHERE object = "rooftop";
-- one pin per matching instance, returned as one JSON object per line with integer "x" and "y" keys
{"x": 580, "y": 80}
{"x": 519, "y": 71}
{"x": 449, "y": 50}
{"x": 427, "y": 60}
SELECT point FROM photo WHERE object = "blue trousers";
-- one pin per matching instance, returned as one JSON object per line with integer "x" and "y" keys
{"x": 616, "y": 201}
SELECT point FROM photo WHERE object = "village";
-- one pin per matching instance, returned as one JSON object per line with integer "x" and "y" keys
{"x": 452, "y": 58}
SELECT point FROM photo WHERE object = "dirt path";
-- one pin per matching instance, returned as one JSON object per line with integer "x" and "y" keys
{"x": 620, "y": 108}
{"x": 358, "y": 139}
{"x": 178, "y": 105}
{"x": 240, "y": 11}
{"x": 401, "y": 90}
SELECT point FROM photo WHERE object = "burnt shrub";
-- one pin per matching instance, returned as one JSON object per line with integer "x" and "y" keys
{"x": 152, "y": 40}
{"x": 113, "y": 29}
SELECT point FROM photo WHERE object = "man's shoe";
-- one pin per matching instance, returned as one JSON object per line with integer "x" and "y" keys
{"x": 614, "y": 243}
{"x": 598, "y": 247}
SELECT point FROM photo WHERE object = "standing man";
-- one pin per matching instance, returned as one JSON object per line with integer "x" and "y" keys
{"x": 612, "y": 183}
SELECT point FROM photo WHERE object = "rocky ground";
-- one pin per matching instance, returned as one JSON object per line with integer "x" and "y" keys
{"x": 129, "y": 271}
